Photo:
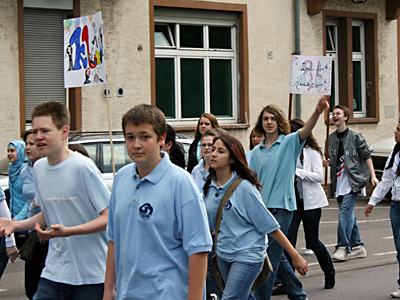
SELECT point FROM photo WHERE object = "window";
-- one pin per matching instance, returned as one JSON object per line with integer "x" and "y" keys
{"x": 196, "y": 65}
{"x": 199, "y": 64}
{"x": 350, "y": 41}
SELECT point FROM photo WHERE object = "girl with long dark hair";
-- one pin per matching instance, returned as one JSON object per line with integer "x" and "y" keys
{"x": 242, "y": 240}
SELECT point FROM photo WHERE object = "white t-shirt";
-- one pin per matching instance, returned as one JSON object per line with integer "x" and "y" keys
{"x": 72, "y": 193}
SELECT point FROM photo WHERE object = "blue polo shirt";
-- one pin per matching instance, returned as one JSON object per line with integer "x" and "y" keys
{"x": 245, "y": 222}
{"x": 156, "y": 223}
{"x": 276, "y": 168}
{"x": 199, "y": 176}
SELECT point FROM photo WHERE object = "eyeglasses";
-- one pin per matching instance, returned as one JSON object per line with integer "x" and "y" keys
{"x": 206, "y": 145}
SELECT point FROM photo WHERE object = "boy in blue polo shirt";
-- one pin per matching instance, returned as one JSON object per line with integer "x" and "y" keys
{"x": 158, "y": 229}
{"x": 274, "y": 160}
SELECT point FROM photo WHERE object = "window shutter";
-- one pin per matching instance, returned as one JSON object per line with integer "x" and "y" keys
{"x": 43, "y": 49}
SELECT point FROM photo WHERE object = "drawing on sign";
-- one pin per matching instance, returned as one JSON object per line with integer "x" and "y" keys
{"x": 84, "y": 51}
{"x": 310, "y": 75}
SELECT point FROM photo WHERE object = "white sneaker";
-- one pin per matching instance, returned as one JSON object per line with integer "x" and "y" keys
{"x": 308, "y": 252}
{"x": 358, "y": 252}
{"x": 340, "y": 254}
{"x": 395, "y": 294}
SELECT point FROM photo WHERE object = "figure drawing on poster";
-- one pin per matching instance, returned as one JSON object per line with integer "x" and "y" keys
{"x": 84, "y": 51}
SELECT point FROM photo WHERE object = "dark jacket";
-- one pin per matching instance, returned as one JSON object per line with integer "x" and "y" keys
{"x": 356, "y": 152}
{"x": 192, "y": 161}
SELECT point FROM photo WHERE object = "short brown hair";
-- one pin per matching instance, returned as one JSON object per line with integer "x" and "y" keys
{"x": 58, "y": 112}
{"x": 283, "y": 124}
{"x": 146, "y": 113}
{"x": 346, "y": 111}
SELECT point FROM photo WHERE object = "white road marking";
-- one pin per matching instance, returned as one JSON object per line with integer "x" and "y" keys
{"x": 385, "y": 253}
{"x": 358, "y": 221}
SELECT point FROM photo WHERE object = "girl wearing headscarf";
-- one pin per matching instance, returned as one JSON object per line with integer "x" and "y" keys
{"x": 17, "y": 157}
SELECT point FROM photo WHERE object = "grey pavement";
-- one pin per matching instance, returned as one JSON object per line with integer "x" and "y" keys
{"x": 373, "y": 277}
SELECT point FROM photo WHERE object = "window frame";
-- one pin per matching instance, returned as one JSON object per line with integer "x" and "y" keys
{"x": 242, "y": 81}
{"x": 206, "y": 53}
{"x": 346, "y": 58}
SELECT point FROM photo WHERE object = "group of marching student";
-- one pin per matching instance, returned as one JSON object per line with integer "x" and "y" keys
{"x": 163, "y": 226}
{"x": 261, "y": 204}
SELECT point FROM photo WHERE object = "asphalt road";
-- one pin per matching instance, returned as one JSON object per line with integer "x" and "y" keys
{"x": 373, "y": 277}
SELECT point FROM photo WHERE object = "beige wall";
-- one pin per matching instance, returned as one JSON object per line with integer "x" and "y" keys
{"x": 270, "y": 28}
{"x": 9, "y": 81}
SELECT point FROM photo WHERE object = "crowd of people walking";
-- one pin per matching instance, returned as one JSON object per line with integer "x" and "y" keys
{"x": 223, "y": 228}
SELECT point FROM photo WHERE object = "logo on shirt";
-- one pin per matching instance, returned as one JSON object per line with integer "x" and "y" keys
{"x": 228, "y": 205}
{"x": 145, "y": 211}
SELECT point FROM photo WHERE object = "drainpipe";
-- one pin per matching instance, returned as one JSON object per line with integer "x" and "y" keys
{"x": 297, "y": 48}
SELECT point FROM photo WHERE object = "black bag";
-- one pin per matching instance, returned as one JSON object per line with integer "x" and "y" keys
{"x": 28, "y": 249}
{"x": 267, "y": 267}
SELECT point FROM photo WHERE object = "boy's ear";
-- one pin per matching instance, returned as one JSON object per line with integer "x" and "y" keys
{"x": 65, "y": 132}
{"x": 161, "y": 140}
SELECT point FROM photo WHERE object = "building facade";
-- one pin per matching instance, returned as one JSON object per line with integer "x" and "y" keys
{"x": 227, "y": 57}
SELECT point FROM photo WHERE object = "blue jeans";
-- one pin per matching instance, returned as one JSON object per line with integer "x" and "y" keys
{"x": 395, "y": 221}
{"x": 239, "y": 278}
{"x": 3, "y": 255}
{"x": 348, "y": 234}
{"x": 310, "y": 220}
{"x": 280, "y": 264}
{"x": 50, "y": 290}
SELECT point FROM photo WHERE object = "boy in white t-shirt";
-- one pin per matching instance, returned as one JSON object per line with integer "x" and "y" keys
{"x": 74, "y": 199}
{"x": 158, "y": 229}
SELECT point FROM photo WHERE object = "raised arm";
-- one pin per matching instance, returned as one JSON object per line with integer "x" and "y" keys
{"x": 319, "y": 109}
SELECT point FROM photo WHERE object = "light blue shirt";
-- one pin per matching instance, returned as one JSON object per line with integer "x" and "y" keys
{"x": 199, "y": 176}
{"x": 276, "y": 168}
{"x": 28, "y": 189}
{"x": 72, "y": 193}
{"x": 245, "y": 222}
{"x": 156, "y": 224}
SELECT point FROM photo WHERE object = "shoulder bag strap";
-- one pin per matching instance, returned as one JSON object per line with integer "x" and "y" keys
{"x": 231, "y": 189}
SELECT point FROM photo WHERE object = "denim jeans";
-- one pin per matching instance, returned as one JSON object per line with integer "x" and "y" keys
{"x": 3, "y": 255}
{"x": 280, "y": 264}
{"x": 50, "y": 290}
{"x": 310, "y": 220}
{"x": 239, "y": 278}
{"x": 348, "y": 234}
{"x": 395, "y": 221}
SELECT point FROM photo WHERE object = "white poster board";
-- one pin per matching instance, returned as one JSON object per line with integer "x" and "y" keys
{"x": 84, "y": 51}
{"x": 310, "y": 75}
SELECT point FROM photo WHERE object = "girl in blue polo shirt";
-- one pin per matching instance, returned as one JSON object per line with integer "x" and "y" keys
{"x": 242, "y": 239}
